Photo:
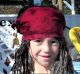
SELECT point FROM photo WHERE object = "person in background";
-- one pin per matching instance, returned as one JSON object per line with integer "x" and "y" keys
{"x": 43, "y": 49}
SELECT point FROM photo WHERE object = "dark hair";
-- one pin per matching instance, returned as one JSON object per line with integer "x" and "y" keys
{"x": 23, "y": 62}
{"x": 63, "y": 63}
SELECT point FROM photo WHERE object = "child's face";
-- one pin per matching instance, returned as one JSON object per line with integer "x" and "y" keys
{"x": 44, "y": 51}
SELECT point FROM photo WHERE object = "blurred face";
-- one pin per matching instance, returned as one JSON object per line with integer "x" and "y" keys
{"x": 44, "y": 51}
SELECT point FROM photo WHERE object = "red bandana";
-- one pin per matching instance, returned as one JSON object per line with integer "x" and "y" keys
{"x": 41, "y": 22}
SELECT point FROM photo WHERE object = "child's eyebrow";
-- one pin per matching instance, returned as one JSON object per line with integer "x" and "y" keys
{"x": 39, "y": 39}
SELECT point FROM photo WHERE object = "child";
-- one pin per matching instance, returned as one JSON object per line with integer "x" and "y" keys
{"x": 43, "y": 43}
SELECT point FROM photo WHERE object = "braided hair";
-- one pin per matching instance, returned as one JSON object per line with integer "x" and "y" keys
{"x": 62, "y": 64}
{"x": 24, "y": 63}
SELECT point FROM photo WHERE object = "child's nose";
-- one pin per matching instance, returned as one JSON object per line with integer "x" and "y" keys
{"x": 45, "y": 47}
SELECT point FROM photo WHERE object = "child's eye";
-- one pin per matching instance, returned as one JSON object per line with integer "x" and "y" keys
{"x": 54, "y": 41}
{"x": 38, "y": 42}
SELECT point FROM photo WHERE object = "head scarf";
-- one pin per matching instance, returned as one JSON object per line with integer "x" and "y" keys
{"x": 40, "y": 22}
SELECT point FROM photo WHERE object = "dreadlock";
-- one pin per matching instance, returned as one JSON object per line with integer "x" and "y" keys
{"x": 21, "y": 59}
{"x": 62, "y": 65}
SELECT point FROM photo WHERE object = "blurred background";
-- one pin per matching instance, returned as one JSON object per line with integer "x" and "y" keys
{"x": 11, "y": 9}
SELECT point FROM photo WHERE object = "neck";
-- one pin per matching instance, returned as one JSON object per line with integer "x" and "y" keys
{"x": 41, "y": 69}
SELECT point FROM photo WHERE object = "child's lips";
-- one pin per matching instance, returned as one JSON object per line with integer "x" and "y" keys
{"x": 45, "y": 56}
